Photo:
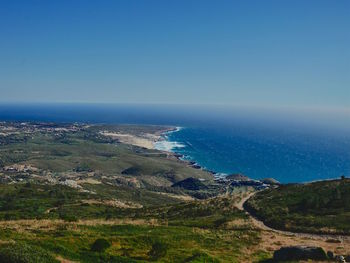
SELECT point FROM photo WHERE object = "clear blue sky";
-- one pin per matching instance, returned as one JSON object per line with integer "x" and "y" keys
{"x": 293, "y": 53}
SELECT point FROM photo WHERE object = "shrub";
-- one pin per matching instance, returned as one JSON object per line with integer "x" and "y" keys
{"x": 198, "y": 256}
{"x": 158, "y": 250}
{"x": 100, "y": 245}
{"x": 68, "y": 218}
{"x": 11, "y": 216}
{"x": 219, "y": 222}
{"x": 24, "y": 253}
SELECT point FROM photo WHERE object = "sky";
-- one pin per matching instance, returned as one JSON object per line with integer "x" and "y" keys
{"x": 291, "y": 53}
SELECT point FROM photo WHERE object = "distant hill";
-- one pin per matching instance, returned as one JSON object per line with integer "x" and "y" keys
{"x": 314, "y": 207}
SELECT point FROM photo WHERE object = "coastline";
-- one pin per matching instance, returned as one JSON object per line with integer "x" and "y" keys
{"x": 169, "y": 147}
{"x": 159, "y": 141}
{"x": 164, "y": 144}
{"x": 145, "y": 140}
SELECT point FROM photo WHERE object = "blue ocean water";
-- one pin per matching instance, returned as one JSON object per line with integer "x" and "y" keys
{"x": 290, "y": 146}
{"x": 257, "y": 153}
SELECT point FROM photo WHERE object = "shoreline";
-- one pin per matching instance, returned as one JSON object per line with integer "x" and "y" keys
{"x": 145, "y": 140}
{"x": 159, "y": 141}
{"x": 168, "y": 146}
{"x": 218, "y": 176}
{"x": 163, "y": 143}
{"x": 152, "y": 141}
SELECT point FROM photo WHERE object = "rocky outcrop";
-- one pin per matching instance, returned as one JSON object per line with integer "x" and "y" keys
{"x": 239, "y": 177}
{"x": 340, "y": 259}
{"x": 270, "y": 181}
{"x": 299, "y": 253}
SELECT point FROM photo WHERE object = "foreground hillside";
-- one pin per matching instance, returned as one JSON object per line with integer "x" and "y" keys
{"x": 197, "y": 231}
{"x": 56, "y": 223}
{"x": 314, "y": 207}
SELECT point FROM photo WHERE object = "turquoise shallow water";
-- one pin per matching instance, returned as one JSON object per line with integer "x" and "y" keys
{"x": 289, "y": 146}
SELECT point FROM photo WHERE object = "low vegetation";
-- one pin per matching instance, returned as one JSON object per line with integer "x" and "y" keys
{"x": 67, "y": 192}
{"x": 315, "y": 207}
{"x": 24, "y": 253}
{"x": 198, "y": 231}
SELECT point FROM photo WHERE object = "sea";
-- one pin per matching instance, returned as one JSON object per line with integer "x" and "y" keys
{"x": 291, "y": 145}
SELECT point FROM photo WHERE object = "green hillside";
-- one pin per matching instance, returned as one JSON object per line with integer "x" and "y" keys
{"x": 197, "y": 231}
{"x": 314, "y": 207}
{"x": 81, "y": 157}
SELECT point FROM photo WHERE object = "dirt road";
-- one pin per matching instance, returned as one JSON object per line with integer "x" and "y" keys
{"x": 273, "y": 239}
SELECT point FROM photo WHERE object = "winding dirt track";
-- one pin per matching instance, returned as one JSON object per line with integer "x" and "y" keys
{"x": 280, "y": 237}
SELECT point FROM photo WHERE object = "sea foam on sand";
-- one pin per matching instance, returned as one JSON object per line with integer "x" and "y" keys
{"x": 166, "y": 145}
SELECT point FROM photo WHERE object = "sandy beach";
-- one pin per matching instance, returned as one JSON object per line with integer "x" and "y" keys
{"x": 145, "y": 140}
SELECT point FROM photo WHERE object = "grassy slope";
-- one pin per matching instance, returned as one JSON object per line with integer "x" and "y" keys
{"x": 315, "y": 207}
{"x": 67, "y": 152}
{"x": 187, "y": 232}
{"x": 190, "y": 232}
{"x": 133, "y": 242}
{"x": 86, "y": 150}
{"x": 37, "y": 201}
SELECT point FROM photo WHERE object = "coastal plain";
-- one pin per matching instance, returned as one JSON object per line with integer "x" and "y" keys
{"x": 102, "y": 193}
